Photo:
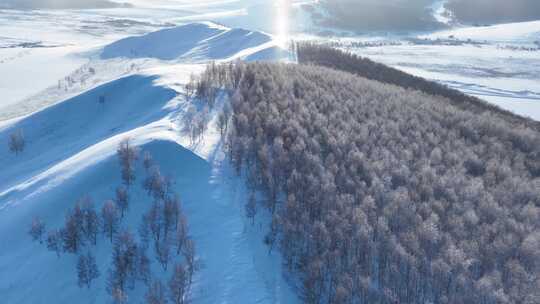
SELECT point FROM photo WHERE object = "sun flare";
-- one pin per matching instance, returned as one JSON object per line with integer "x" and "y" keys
{"x": 281, "y": 27}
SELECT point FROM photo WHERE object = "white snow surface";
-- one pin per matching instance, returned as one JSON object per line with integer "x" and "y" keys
{"x": 67, "y": 164}
{"x": 71, "y": 152}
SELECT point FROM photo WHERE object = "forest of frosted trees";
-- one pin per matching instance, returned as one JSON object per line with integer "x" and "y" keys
{"x": 309, "y": 53}
{"x": 380, "y": 194}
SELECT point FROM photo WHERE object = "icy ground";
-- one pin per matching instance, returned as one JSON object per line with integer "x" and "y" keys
{"x": 70, "y": 153}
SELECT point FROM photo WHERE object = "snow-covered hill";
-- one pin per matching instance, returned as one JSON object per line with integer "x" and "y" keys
{"x": 196, "y": 41}
{"x": 71, "y": 152}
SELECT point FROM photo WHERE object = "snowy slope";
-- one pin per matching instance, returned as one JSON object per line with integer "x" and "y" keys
{"x": 197, "y": 40}
{"x": 71, "y": 152}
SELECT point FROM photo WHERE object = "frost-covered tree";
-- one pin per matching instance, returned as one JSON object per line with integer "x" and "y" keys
{"x": 73, "y": 232}
{"x": 110, "y": 219}
{"x": 251, "y": 208}
{"x": 171, "y": 213}
{"x": 55, "y": 241}
{"x": 37, "y": 229}
{"x": 190, "y": 87}
{"x": 182, "y": 233}
{"x": 122, "y": 200}
{"x": 188, "y": 252}
{"x": 91, "y": 222}
{"x": 87, "y": 270}
{"x": 163, "y": 251}
{"x": 127, "y": 155}
{"x": 16, "y": 143}
{"x": 155, "y": 184}
{"x": 148, "y": 161}
{"x": 124, "y": 269}
{"x": 143, "y": 266}
{"x": 178, "y": 285}
{"x": 156, "y": 293}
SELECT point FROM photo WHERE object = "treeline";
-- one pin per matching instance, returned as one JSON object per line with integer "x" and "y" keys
{"x": 163, "y": 228}
{"x": 310, "y": 53}
{"x": 380, "y": 194}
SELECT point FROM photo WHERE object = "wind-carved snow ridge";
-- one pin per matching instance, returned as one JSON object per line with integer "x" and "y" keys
{"x": 194, "y": 42}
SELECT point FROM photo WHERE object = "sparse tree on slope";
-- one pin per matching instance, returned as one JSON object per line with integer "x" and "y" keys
{"x": 178, "y": 285}
{"x": 110, "y": 219}
{"x": 148, "y": 161}
{"x": 16, "y": 142}
{"x": 181, "y": 235}
{"x": 122, "y": 200}
{"x": 123, "y": 270}
{"x": 91, "y": 222}
{"x": 251, "y": 208}
{"x": 127, "y": 154}
{"x": 189, "y": 256}
{"x": 37, "y": 229}
{"x": 72, "y": 233}
{"x": 156, "y": 293}
{"x": 54, "y": 241}
{"x": 87, "y": 270}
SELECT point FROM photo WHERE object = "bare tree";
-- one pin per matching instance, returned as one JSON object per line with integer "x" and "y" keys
{"x": 127, "y": 154}
{"x": 16, "y": 142}
{"x": 54, "y": 241}
{"x": 224, "y": 118}
{"x": 122, "y": 200}
{"x": 123, "y": 271}
{"x": 155, "y": 183}
{"x": 72, "y": 233}
{"x": 154, "y": 217}
{"x": 190, "y": 86}
{"x": 148, "y": 161}
{"x": 110, "y": 219}
{"x": 119, "y": 296}
{"x": 37, "y": 229}
{"x": 143, "y": 265}
{"x": 156, "y": 293}
{"x": 82, "y": 272}
{"x": 90, "y": 225}
{"x": 182, "y": 234}
{"x": 163, "y": 251}
{"x": 178, "y": 285}
{"x": 251, "y": 208}
{"x": 87, "y": 270}
{"x": 171, "y": 212}
{"x": 189, "y": 256}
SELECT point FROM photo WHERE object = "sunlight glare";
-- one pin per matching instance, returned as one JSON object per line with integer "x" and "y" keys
{"x": 281, "y": 27}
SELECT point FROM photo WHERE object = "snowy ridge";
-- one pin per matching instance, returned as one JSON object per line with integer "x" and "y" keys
{"x": 194, "y": 42}
{"x": 71, "y": 152}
